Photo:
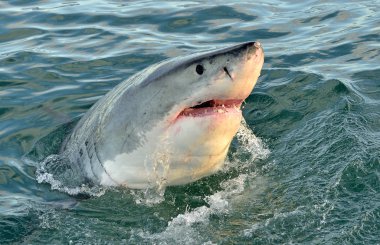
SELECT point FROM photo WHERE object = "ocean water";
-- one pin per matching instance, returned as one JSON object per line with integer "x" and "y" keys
{"x": 303, "y": 169}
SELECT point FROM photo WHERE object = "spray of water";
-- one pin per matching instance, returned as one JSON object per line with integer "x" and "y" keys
{"x": 250, "y": 148}
{"x": 65, "y": 177}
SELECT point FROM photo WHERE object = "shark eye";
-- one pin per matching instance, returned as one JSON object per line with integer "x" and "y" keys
{"x": 199, "y": 69}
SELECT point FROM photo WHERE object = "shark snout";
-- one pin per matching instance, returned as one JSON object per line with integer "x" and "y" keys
{"x": 250, "y": 61}
{"x": 254, "y": 50}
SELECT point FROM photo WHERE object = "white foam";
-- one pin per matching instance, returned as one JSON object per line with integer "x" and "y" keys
{"x": 149, "y": 196}
{"x": 43, "y": 176}
{"x": 57, "y": 185}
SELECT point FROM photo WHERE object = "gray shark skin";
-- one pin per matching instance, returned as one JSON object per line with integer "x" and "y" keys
{"x": 170, "y": 124}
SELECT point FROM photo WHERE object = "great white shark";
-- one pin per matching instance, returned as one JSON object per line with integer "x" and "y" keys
{"x": 170, "y": 124}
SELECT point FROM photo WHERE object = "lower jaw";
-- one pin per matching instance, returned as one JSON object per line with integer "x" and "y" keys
{"x": 202, "y": 136}
{"x": 198, "y": 144}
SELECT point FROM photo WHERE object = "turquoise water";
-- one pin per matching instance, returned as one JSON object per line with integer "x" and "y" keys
{"x": 305, "y": 169}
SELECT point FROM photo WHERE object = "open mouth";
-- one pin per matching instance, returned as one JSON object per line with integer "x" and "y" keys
{"x": 211, "y": 107}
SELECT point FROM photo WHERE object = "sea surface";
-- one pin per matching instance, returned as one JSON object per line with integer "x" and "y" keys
{"x": 303, "y": 169}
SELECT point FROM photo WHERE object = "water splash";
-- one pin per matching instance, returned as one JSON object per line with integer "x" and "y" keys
{"x": 149, "y": 196}
{"x": 65, "y": 177}
{"x": 249, "y": 149}
{"x": 218, "y": 203}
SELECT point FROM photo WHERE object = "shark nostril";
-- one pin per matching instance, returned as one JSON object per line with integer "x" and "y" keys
{"x": 228, "y": 73}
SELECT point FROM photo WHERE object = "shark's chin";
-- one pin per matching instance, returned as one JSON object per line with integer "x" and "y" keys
{"x": 199, "y": 143}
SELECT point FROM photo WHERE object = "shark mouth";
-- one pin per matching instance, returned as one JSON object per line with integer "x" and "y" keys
{"x": 212, "y": 107}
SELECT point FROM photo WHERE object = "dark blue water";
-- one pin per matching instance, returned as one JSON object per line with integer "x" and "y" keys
{"x": 304, "y": 170}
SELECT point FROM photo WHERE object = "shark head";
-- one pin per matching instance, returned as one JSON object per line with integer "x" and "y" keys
{"x": 172, "y": 123}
